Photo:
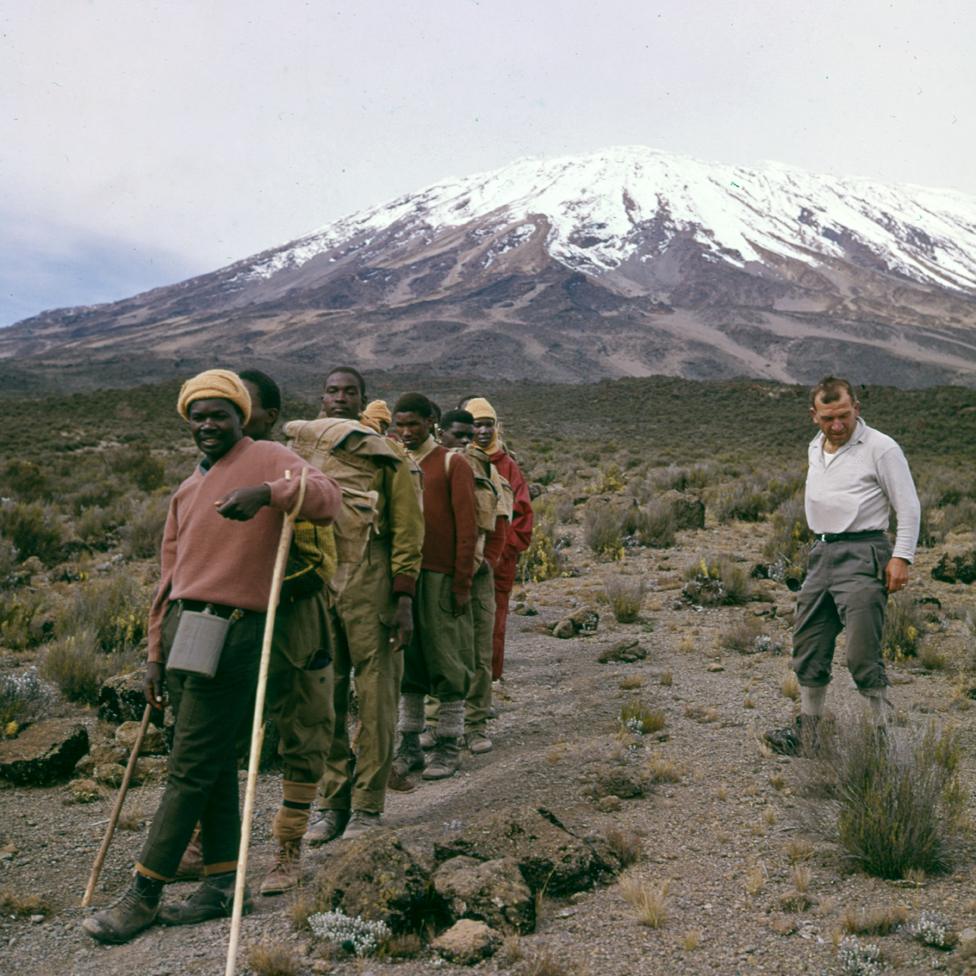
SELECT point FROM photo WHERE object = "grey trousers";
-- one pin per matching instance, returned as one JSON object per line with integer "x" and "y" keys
{"x": 844, "y": 588}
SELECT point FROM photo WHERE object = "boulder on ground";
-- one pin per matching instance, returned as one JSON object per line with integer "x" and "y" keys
{"x": 624, "y": 652}
{"x": 467, "y": 942}
{"x": 379, "y": 879}
{"x": 82, "y": 791}
{"x": 110, "y": 774}
{"x": 44, "y": 752}
{"x": 956, "y": 567}
{"x": 552, "y": 859}
{"x": 493, "y": 892}
{"x": 121, "y": 698}
{"x": 150, "y": 769}
{"x": 582, "y": 621}
{"x": 153, "y": 742}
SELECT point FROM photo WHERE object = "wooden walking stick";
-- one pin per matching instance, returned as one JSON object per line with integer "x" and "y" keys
{"x": 117, "y": 809}
{"x": 257, "y": 726}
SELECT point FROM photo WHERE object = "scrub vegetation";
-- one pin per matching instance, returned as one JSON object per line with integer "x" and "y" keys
{"x": 674, "y": 509}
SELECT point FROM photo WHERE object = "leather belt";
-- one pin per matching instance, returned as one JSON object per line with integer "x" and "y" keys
{"x": 218, "y": 609}
{"x": 866, "y": 536}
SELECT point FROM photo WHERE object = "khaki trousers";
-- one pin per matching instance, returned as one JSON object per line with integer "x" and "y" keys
{"x": 363, "y": 620}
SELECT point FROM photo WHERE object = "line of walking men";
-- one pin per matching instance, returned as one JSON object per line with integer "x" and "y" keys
{"x": 396, "y": 595}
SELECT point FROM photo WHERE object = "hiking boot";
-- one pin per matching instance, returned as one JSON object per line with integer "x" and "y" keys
{"x": 428, "y": 739}
{"x": 136, "y": 909}
{"x": 360, "y": 822}
{"x": 191, "y": 864}
{"x": 287, "y": 870}
{"x": 802, "y": 738}
{"x": 213, "y": 899}
{"x": 329, "y": 825}
{"x": 409, "y": 755}
{"x": 400, "y": 782}
{"x": 478, "y": 743}
{"x": 444, "y": 759}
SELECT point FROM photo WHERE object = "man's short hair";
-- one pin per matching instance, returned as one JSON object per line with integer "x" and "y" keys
{"x": 351, "y": 372}
{"x": 268, "y": 391}
{"x": 456, "y": 417}
{"x": 830, "y": 389}
{"x": 415, "y": 403}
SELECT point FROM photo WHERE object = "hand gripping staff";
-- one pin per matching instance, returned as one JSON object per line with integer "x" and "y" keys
{"x": 116, "y": 810}
{"x": 257, "y": 726}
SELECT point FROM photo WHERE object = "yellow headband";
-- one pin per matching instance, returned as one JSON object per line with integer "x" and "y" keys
{"x": 214, "y": 384}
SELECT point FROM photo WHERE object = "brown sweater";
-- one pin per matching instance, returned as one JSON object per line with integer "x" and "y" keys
{"x": 450, "y": 529}
{"x": 210, "y": 558}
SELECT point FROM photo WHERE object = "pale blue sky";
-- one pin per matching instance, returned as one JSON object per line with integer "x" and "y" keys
{"x": 141, "y": 142}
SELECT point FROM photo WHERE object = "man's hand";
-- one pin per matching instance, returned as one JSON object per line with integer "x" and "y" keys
{"x": 896, "y": 574}
{"x": 244, "y": 503}
{"x": 402, "y": 622}
{"x": 460, "y": 602}
{"x": 154, "y": 687}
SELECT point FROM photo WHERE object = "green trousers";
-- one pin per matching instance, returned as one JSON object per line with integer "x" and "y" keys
{"x": 300, "y": 687}
{"x": 440, "y": 659}
{"x": 202, "y": 782}
{"x": 363, "y": 621}
{"x": 478, "y": 705}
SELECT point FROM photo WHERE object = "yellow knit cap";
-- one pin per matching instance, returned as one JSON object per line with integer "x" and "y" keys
{"x": 214, "y": 384}
{"x": 480, "y": 408}
{"x": 376, "y": 411}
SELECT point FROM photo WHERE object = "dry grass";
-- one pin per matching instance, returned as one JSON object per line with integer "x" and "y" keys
{"x": 691, "y": 940}
{"x": 626, "y": 845}
{"x": 790, "y": 687}
{"x": 301, "y": 905}
{"x": 755, "y": 880}
{"x": 801, "y": 877}
{"x": 23, "y": 906}
{"x": 547, "y": 964}
{"x": 649, "y": 901}
{"x": 638, "y": 718}
{"x": 665, "y": 679}
{"x": 407, "y": 945}
{"x": 663, "y": 770}
{"x": 631, "y": 683}
{"x": 777, "y": 781}
{"x": 273, "y": 959}
{"x": 799, "y": 850}
{"x": 882, "y": 920}
{"x": 625, "y": 596}
{"x": 556, "y": 753}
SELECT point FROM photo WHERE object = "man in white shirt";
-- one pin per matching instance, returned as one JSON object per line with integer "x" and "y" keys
{"x": 856, "y": 476}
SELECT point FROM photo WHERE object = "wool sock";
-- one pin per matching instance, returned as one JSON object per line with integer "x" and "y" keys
{"x": 813, "y": 700}
{"x": 411, "y": 712}
{"x": 451, "y": 722}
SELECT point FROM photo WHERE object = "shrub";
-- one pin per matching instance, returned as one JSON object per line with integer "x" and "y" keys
{"x": 541, "y": 561}
{"x": 79, "y": 668}
{"x": 625, "y": 844}
{"x": 611, "y": 481}
{"x": 655, "y": 525}
{"x": 932, "y": 929}
{"x": 625, "y": 596}
{"x": 718, "y": 582}
{"x": 602, "y": 529}
{"x": 142, "y": 531}
{"x": 34, "y": 530}
{"x": 24, "y": 698}
{"x": 273, "y": 959}
{"x": 23, "y": 622}
{"x": 641, "y": 720}
{"x": 752, "y": 498}
{"x": 903, "y": 628}
{"x": 114, "y": 610}
{"x": 896, "y": 801}
{"x": 26, "y": 480}
{"x": 353, "y": 934}
{"x": 874, "y": 921}
{"x": 650, "y": 902}
{"x": 137, "y": 462}
{"x": 859, "y": 958}
{"x": 94, "y": 527}
{"x": 788, "y": 545}
{"x": 676, "y": 478}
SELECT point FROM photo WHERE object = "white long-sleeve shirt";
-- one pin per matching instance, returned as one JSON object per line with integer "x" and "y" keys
{"x": 854, "y": 489}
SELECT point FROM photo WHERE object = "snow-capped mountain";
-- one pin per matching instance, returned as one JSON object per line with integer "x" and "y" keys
{"x": 624, "y": 262}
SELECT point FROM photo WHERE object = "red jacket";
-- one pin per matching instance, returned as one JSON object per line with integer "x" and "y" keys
{"x": 520, "y": 528}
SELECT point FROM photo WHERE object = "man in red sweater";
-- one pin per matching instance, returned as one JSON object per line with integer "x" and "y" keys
{"x": 440, "y": 659}
{"x": 486, "y": 436}
{"x": 217, "y": 558}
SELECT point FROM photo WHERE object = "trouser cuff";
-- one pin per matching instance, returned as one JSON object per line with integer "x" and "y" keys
{"x": 812, "y": 700}
{"x": 290, "y": 824}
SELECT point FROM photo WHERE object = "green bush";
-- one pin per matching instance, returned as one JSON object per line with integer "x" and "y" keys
{"x": 753, "y": 498}
{"x": 904, "y": 628}
{"x": 22, "y": 618}
{"x": 788, "y": 545}
{"x": 655, "y": 525}
{"x": 26, "y": 480}
{"x": 142, "y": 531}
{"x": 24, "y": 698}
{"x": 34, "y": 530}
{"x": 625, "y": 594}
{"x": 113, "y": 610}
{"x": 716, "y": 582}
{"x": 603, "y": 531}
{"x": 138, "y": 463}
{"x": 896, "y": 796}
{"x": 79, "y": 667}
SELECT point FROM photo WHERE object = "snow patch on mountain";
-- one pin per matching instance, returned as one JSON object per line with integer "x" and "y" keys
{"x": 599, "y": 207}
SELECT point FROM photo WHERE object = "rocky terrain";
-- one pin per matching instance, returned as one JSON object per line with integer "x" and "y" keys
{"x": 711, "y": 827}
{"x": 628, "y": 262}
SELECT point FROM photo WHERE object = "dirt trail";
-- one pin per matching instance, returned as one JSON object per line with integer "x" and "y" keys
{"x": 718, "y": 836}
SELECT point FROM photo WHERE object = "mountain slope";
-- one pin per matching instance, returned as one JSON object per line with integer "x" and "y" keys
{"x": 625, "y": 262}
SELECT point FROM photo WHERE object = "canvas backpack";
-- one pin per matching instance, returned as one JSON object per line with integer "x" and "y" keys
{"x": 350, "y": 453}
